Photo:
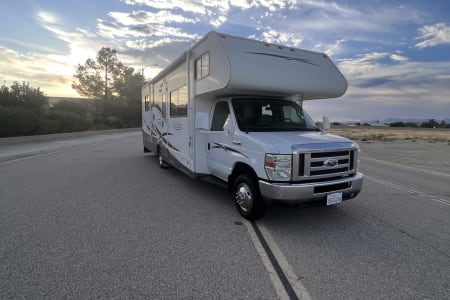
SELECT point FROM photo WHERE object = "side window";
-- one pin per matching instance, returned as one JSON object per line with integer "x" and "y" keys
{"x": 152, "y": 95}
{"x": 158, "y": 98}
{"x": 221, "y": 116}
{"x": 290, "y": 114}
{"x": 164, "y": 105}
{"x": 202, "y": 66}
{"x": 178, "y": 102}
{"x": 147, "y": 102}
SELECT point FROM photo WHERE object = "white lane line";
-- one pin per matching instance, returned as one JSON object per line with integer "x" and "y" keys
{"x": 408, "y": 167}
{"x": 294, "y": 280}
{"x": 276, "y": 282}
{"x": 402, "y": 188}
{"x": 30, "y": 155}
{"x": 300, "y": 291}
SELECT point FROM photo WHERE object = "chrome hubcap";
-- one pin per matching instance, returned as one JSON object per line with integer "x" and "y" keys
{"x": 244, "y": 197}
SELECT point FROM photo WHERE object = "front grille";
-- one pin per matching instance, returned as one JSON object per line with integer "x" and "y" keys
{"x": 301, "y": 164}
{"x": 325, "y": 164}
{"x": 323, "y": 172}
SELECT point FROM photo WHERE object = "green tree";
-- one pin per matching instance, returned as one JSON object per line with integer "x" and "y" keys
{"x": 96, "y": 78}
{"x": 129, "y": 84}
{"x": 397, "y": 124}
{"x": 107, "y": 78}
{"x": 22, "y": 95}
{"x": 432, "y": 123}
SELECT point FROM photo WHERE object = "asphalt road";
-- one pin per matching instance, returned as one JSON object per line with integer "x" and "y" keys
{"x": 94, "y": 217}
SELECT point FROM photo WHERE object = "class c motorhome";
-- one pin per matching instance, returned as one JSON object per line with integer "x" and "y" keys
{"x": 230, "y": 108}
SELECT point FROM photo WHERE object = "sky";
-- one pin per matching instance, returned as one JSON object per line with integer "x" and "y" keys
{"x": 394, "y": 54}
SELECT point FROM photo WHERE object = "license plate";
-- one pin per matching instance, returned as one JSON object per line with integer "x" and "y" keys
{"x": 334, "y": 198}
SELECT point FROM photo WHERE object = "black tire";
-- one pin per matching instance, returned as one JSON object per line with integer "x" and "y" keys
{"x": 161, "y": 162}
{"x": 146, "y": 150}
{"x": 247, "y": 197}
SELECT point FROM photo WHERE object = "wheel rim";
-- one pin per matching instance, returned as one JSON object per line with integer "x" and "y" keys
{"x": 160, "y": 159}
{"x": 244, "y": 197}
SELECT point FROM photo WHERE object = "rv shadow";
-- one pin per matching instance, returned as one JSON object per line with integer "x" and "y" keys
{"x": 202, "y": 190}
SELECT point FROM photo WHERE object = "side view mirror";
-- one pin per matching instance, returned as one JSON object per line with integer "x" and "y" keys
{"x": 228, "y": 128}
{"x": 325, "y": 125}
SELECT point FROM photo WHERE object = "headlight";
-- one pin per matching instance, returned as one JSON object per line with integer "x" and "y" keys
{"x": 278, "y": 167}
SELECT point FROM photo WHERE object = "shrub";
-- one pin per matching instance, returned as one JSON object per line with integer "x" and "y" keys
{"x": 17, "y": 121}
{"x": 65, "y": 121}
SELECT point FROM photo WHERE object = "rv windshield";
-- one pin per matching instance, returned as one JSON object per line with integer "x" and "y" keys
{"x": 271, "y": 115}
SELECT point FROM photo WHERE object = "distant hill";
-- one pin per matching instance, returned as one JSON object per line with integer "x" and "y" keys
{"x": 412, "y": 120}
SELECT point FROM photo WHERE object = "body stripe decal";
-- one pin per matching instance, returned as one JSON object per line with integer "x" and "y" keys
{"x": 227, "y": 148}
{"x": 306, "y": 61}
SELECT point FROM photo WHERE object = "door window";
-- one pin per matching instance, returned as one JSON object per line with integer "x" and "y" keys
{"x": 221, "y": 116}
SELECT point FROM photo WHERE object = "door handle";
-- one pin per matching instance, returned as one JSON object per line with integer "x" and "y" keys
{"x": 237, "y": 143}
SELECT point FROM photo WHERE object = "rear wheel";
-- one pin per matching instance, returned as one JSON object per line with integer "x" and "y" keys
{"x": 247, "y": 197}
{"x": 161, "y": 162}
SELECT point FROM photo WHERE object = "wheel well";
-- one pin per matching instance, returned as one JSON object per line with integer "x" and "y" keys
{"x": 239, "y": 168}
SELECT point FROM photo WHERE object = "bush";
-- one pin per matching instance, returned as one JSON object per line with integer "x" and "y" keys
{"x": 17, "y": 121}
{"x": 397, "y": 124}
{"x": 64, "y": 121}
{"x": 75, "y": 107}
{"x": 116, "y": 113}
{"x": 25, "y": 117}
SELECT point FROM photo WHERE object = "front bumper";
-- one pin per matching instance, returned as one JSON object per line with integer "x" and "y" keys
{"x": 299, "y": 193}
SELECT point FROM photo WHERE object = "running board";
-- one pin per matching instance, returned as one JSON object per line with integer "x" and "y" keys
{"x": 214, "y": 180}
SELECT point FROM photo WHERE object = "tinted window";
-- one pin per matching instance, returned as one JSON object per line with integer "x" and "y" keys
{"x": 178, "y": 102}
{"x": 270, "y": 115}
{"x": 221, "y": 116}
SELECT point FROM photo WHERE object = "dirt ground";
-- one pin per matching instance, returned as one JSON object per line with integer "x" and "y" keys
{"x": 366, "y": 133}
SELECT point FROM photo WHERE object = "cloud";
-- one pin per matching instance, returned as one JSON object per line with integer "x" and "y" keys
{"x": 145, "y": 17}
{"x": 38, "y": 69}
{"x": 141, "y": 24}
{"x": 330, "y": 49}
{"x": 433, "y": 35}
{"x": 362, "y": 65}
{"x": 51, "y": 70}
{"x": 284, "y": 38}
{"x": 216, "y": 13}
{"x": 398, "y": 57}
{"x": 381, "y": 86}
{"x": 187, "y": 6}
{"x": 81, "y": 42}
{"x": 47, "y": 17}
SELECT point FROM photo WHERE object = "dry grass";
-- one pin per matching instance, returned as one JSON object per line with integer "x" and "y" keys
{"x": 387, "y": 134}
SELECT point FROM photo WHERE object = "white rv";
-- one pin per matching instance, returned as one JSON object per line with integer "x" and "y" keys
{"x": 230, "y": 108}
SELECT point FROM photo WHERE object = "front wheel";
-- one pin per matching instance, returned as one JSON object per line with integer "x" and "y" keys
{"x": 247, "y": 197}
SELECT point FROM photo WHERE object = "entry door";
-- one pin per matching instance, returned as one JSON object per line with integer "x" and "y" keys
{"x": 219, "y": 158}
{"x": 178, "y": 124}
{"x": 161, "y": 120}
